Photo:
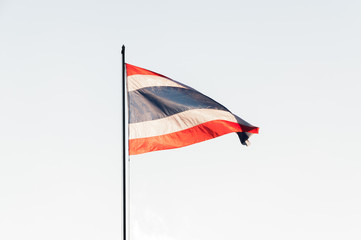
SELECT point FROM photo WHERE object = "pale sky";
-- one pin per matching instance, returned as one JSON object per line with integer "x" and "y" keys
{"x": 291, "y": 68}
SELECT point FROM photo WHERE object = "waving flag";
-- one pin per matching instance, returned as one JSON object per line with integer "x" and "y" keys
{"x": 165, "y": 114}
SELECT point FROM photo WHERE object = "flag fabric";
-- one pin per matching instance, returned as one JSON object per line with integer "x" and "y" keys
{"x": 165, "y": 114}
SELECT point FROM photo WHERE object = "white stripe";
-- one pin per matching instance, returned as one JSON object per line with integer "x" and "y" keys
{"x": 177, "y": 122}
{"x": 139, "y": 81}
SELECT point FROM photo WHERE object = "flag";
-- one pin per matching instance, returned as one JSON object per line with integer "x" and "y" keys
{"x": 166, "y": 114}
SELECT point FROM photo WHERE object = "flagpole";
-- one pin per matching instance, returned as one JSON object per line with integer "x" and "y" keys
{"x": 124, "y": 139}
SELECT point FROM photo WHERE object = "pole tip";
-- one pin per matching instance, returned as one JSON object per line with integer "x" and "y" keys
{"x": 123, "y": 48}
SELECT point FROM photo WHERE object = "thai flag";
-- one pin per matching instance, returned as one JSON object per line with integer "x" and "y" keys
{"x": 165, "y": 114}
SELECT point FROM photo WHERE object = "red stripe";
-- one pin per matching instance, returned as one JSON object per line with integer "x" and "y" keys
{"x": 186, "y": 137}
{"x": 134, "y": 70}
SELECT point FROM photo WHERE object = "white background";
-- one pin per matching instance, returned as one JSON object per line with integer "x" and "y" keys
{"x": 290, "y": 67}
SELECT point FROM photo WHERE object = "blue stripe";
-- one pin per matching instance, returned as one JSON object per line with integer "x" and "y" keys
{"x": 153, "y": 103}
